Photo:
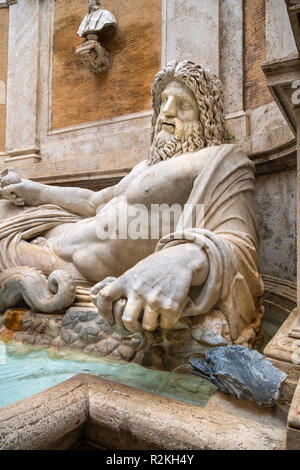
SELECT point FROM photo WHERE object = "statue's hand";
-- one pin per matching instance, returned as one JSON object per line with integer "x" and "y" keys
{"x": 156, "y": 289}
{"x": 20, "y": 192}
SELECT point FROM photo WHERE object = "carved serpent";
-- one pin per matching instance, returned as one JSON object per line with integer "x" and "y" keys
{"x": 27, "y": 284}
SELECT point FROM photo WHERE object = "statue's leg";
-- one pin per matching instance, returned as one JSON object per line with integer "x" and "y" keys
{"x": 31, "y": 262}
{"x": 46, "y": 260}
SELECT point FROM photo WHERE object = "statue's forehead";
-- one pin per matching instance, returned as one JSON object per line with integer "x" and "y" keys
{"x": 178, "y": 88}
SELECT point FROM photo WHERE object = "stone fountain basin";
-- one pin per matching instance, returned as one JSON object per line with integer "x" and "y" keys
{"x": 87, "y": 411}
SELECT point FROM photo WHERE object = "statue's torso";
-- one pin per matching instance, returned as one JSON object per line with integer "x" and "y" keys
{"x": 168, "y": 182}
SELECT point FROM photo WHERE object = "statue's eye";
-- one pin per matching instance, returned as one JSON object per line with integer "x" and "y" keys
{"x": 184, "y": 104}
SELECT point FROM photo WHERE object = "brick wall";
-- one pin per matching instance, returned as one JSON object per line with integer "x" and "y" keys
{"x": 3, "y": 73}
{"x": 79, "y": 96}
{"x": 256, "y": 92}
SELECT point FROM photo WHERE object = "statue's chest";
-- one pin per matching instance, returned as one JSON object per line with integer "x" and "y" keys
{"x": 168, "y": 182}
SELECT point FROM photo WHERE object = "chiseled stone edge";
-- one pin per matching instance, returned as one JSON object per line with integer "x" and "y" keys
{"x": 45, "y": 420}
{"x": 293, "y": 424}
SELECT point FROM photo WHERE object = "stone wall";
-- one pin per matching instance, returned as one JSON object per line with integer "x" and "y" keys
{"x": 74, "y": 127}
{"x": 79, "y": 96}
{"x": 4, "y": 14}
{"x": 256, "y": 92}
{"x": 276, "y": 213}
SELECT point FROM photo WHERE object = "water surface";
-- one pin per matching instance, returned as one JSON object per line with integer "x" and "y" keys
{"x": 23, "y": 375}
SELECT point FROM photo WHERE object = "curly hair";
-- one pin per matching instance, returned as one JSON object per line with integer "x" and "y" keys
{"x": 207, "y": 89}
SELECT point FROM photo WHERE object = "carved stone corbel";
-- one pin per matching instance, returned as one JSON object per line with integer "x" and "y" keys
{"x": 94, "y": 56}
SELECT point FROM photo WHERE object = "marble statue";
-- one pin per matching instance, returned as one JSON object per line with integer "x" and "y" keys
{"x": 96, "y": 20}
{"x": 95, "y": 24}
{"x": 201, "y": 279}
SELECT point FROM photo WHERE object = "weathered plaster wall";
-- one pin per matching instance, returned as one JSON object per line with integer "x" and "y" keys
{"x": 3, "y": 73}
{"x": 267, "y": 36}
{"x": 23, "y": 75}
{"x": 298, "y": 203}
{"x": 276, "y": 212}
{"x": 191, "y": 31}
{"x": 280, "y": 40}
{"x": 231, "y": 54}
{"x": 95, "y": 150}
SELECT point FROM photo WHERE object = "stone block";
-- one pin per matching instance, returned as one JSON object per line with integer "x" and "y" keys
{"x": 293, "y": 425}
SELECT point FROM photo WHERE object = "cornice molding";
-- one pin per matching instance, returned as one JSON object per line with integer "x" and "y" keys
{"x": 279, "y": 158}
{"x": 7, "y": 3}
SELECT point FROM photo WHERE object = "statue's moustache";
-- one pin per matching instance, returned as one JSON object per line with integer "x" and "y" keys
{"x": 177, "y": 123}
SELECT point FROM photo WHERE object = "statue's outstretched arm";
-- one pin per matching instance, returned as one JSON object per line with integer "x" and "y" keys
{"x": 79, "y": 201}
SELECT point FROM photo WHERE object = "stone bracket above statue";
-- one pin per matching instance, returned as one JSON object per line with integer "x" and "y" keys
{"x": 94, "y": 27}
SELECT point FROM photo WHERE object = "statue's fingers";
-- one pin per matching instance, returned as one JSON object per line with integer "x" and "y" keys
{"x": 19, "y": 201}
{"x": 98, "y": 287}
{"x": 113, "y": 291}
{"x": 132, "y": 313}
{"x": 169, "y": 318}
{"x": 167, "y": 303}
{"x": 118, "y": 309}
{"x": 105, "y": 299}
{"x": 9, "y": 192}
{"x": 8, "y": 176}
{"x": 105, "y": 308}
{"x": 150, "y": 318}
{"x": 9, "y": 187}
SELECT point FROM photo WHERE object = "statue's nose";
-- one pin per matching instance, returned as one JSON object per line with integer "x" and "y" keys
{"x": 169, "y": 108}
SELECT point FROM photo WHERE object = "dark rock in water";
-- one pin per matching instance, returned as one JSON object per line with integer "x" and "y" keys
{"x": 242, "y": 372}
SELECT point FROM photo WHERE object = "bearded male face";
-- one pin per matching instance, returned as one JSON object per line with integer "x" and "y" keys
{"x": 178, "y": 128}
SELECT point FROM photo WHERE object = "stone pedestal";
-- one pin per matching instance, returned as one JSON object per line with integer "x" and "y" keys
{"x": 284, "y": 352}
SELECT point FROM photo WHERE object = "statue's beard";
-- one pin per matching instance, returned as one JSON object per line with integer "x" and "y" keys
{"x": 186, "y": 138}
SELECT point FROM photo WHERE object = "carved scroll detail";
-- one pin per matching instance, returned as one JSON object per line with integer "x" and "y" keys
{"x": 31, "y": 286}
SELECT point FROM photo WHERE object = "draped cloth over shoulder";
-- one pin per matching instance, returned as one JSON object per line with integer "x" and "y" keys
{"x": 229, "y": 236}
{"x": 96, "y": 21}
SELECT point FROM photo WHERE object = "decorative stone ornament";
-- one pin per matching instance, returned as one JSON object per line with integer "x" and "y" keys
{"x": 95, "y": 25}
{"x": 94, "y": 56}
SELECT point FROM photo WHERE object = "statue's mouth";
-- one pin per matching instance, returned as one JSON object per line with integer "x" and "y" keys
{"x": 168, "y": 127}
